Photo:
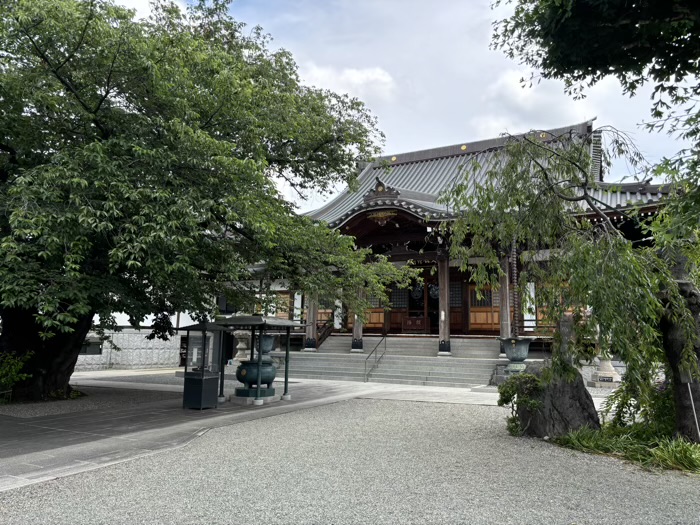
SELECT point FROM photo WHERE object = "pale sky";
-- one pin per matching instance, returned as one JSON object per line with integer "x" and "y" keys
{"x": 424, "y": 68}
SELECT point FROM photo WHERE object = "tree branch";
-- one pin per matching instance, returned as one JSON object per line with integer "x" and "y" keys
{"x": 214, "y": 113}
{"x": 12, "y": 151}
{"x": 552, "y": 185}
{"x": 591, "y": 202}
{"x": 557, "y": 154}
{"x": 64, "y": 82}
{"x": 109, "y": 78}
{"x": 89, "y": 19}
{"x": 5, "y": 173}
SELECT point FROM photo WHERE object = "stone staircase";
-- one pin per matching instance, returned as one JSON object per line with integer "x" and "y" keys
{"x": 408, "y": 360}
{"x": 417, "y": 346}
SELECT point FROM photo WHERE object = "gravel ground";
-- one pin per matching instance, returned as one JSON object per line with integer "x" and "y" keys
{"x": 364, "y": 461}
{"x": 95, "y": 398}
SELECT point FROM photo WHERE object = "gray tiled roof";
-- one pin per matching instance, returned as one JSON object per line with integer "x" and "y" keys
{"x": 618, "y": 195}
{"x": 420, "y": 177}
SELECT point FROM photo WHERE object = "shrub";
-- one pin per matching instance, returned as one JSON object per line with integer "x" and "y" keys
{"x": 10, "y": 370}
{"x": 637, "y": 443}
{"x": 520, "y": 390}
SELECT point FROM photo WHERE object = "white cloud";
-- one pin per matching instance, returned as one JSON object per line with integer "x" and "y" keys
{"x": 507, "y": 103}
{"x": 369, "y": 83}
{"x": 426, "y": 71}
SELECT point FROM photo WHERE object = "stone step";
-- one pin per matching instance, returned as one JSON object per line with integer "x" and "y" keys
{"x": 395, "y": 368}
{"x": 419, "y": 352}
{"x": 328, "y": 356}
{"x": 481, "y": 379}
{"x": 425, "y": 383}
{"x": 469, "y": 378}
{"x": 400, "y": 381}
{"x": 410, "y": 360}
{"x": 418, "y": 341}
{"x": 454, "y": 364}
{"x": 427, "y": 345}
{"x": 328, "y": 376}
{"x": 323, "y": 370}
{"x": 439, "y": 361}
{"x": 415, "y": 340}
{"x": 424, "y": 367}
{"x": 430, "y": 347}
{"x": 428, "y": 372}
{"x": 467, "y": 368}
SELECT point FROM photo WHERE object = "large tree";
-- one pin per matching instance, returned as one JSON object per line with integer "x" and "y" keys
{"x": 139, "y": 162}
{"x": 644, "y": 298}
{"x": 540, "y": 195}
{"x": 647, "y": 42}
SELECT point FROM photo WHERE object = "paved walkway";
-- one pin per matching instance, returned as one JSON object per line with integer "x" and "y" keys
{"x": 133, "y": 414}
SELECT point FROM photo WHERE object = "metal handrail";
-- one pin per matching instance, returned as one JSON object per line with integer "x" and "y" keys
{"x": 376, "y": 360}
{"x": 323, "y": 331}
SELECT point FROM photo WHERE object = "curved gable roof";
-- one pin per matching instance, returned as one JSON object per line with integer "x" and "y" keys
{"x": 416, "y": 179}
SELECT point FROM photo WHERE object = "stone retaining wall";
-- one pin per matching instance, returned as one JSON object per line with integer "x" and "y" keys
{"x": 135, "y": 352}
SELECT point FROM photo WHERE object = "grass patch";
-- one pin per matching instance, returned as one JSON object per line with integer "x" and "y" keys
{"x": 636, "y": 444}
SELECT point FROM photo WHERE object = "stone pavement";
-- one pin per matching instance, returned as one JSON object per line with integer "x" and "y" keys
{"x": 141, "y": 413}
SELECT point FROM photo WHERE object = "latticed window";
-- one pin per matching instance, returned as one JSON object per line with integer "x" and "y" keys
{"x": 486, "y": 298}
{"x": 399, "y": 297}
{"x": 455, "y": 295}
{"x": 374, "y": 302}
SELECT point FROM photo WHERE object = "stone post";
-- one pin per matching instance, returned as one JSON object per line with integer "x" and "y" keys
{"x": 444, "y": 315}
{"x": 605, "y": 375}
{"x": 242, "y": 344}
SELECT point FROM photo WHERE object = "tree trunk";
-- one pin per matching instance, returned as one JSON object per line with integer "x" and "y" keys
{"x": 52, "y": 360}
{"x": 674, "y": 342}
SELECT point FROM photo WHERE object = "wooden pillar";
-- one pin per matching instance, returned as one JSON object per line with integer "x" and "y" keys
{"x": 311, "y": 319}
{"x": 504, "y": 296}
{"x": 357, "y": 330}
{"x": 444, "y": 314}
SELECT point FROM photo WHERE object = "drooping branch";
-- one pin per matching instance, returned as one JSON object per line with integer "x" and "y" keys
{"x": 554, "y": 184}
{"x": 591, "y": 203}
{"x": 583, "y": 188}
{"x": 554, "y": 152}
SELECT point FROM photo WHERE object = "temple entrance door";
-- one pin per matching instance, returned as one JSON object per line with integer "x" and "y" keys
{"x": 484, "y": 310}
{"x": 423, "y": 314}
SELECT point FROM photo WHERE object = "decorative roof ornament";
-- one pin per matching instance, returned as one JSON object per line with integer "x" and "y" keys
{"x": 381, "y": 217}
{"x": 381, "y": 191}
